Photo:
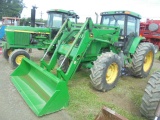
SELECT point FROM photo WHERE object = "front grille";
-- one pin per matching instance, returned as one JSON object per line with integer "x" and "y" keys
{"x": 22, "y": 38}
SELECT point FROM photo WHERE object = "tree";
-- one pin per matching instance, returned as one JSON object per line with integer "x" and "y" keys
{"x": 11, "y": 8}
{"x": 27, "y": 21}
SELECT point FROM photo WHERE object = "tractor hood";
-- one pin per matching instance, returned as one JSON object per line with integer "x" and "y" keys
{"x": 27, "y": 29}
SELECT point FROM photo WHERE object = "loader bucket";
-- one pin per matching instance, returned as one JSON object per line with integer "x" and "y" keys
{"x": 42, "y": 91}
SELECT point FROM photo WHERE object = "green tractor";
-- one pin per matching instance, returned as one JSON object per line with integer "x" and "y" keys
{"x": 103, "y": 48}
{"x": 19, "y": 38}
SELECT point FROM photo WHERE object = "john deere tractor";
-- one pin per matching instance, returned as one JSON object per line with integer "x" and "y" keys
{"x": 19, "y": 38}
{"x": 103, "y": 48}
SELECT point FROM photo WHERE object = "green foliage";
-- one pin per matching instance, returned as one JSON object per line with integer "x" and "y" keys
{"x": 26, "y": 21}
{"x": 11, "y": 8}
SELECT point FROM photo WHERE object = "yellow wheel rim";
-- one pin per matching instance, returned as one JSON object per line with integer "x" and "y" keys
{"x": 9, "y": 52}
{"x": 111, "y": 73}
{"x": 19, "y": 59}
{"x": 148, "y": 61}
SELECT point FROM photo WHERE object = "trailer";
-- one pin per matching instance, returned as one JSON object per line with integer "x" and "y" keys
{"x": 150, "y": 29}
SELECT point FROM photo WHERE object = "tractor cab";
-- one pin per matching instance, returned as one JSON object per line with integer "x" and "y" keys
{"x": 128, "y": 21}
{"x": 56, "y": 18}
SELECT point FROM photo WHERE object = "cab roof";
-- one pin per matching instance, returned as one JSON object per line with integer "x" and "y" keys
{"x": 123, "y": 12}
{"x": 71, "y": 12}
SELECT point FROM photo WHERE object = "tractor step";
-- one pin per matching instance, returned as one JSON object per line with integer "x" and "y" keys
{"x": 41, "y": 90}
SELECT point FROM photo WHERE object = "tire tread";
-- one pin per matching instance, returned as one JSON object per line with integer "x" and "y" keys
{"x": 151, "y": 96}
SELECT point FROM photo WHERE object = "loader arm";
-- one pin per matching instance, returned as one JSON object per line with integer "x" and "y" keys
{"x": 80, "y": 51}
{"x": 77, "y": 49}
{"x": 55, "y": 40}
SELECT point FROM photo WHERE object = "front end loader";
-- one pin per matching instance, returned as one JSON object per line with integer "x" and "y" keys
{"x": 103, "y": 48}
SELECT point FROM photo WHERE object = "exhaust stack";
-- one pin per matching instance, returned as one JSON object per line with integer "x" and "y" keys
{"x": 33, "y": 15}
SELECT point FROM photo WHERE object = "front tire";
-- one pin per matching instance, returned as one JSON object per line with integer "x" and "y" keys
{"x": 143, "y": 60}
{"x": 16, "y": 57}
{"x": 7, "y": 53}
{"x": 106, "y": 71}
{"x": 151, "y": 97}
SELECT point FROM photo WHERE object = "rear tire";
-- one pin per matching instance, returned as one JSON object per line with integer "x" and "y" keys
{"x": 7, "y": 53}
{"x": 106, "y": 71}
{"x": 142, "y": 60}
{"x": 151, "y": 97}
{"x": 16, "y": 57}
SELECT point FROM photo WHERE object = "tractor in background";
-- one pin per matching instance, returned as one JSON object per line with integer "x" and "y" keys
{"x": 151, "y": 31}
{"x": 7, "y": 21}
{"x": 103, "y": 48}
{"x": 20, "y": 38}
{"x": 150, "y": 106}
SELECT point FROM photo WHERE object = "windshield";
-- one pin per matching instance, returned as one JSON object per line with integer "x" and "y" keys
{"x": 73, "y": 18}
{"x": 114, "y": 20}
{"x": 54, "y": 20}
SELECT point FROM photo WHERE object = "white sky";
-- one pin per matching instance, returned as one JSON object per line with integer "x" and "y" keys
{"x": 87, "y": 8}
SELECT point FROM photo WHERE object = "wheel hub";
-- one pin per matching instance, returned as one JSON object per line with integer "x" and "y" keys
{"x": 148, "y": 61}
{"x": 19, "y": 59}
{"x": 112, "y": 73}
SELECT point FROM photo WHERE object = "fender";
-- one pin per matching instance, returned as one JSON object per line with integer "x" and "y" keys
{"x": 135, "y": 43}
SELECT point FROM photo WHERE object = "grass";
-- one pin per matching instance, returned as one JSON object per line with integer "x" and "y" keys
{"x": 157, "y": 56}
{"x": 86, "y": 103}
{"x": 125, "y": 99}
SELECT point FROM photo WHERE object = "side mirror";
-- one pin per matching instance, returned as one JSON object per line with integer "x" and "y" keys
{"x": 96, "y": 18}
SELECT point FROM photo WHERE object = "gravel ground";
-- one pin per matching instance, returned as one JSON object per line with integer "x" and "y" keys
{"x": 12, "y": 105}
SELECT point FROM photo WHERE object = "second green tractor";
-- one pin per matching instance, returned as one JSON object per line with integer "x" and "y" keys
{"x": 103, "y": 48}
{"x": 20, "y": 38}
